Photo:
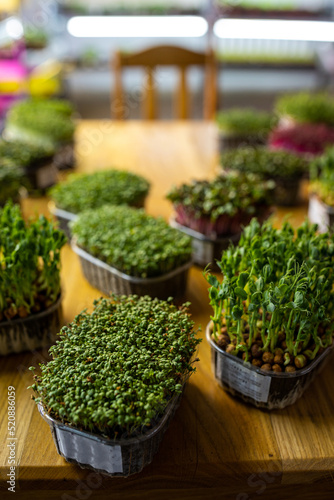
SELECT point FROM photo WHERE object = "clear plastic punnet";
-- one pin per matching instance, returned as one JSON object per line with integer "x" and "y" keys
{"x": 120, "y": 457}
{"x": 262, "y": 389}
{"x": 108, "y": 279}
{"x": 33, "y": 332}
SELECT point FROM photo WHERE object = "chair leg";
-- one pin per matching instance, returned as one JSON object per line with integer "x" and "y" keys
{"x": 183, "y": 96}
{"x": 149, "y": 103}
{"x": 117, "y": 98}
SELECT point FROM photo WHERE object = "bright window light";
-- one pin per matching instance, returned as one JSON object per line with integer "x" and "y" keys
{"x": 137, "y": 26}
{"x": 275, "y": 29}
{"x": 14, "y": 28}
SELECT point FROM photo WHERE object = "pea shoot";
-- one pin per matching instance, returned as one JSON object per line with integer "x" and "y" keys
{"x": 30, "y": 264}
{"x": 274, "y": 305}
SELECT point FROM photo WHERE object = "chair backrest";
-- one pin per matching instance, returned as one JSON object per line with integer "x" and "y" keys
{"x": 165, "y": 56}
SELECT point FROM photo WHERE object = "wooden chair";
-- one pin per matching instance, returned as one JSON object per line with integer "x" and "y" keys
{"x": 164, "y": 56}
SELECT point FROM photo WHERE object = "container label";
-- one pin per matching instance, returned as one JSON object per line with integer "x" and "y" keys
{"x": 241, "y": 379}
{"x": 202, "y": 251}
{"x": 318, "y": 214}
{"x": 84, "y": 450}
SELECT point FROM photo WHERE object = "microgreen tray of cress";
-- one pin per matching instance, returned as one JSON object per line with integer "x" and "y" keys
{"x": 274, "y": 305}
{"x": 41, "y": 121}
{"x": 113, "y": 371}
{"x": 131, "y": 241}
{"x": 114, "y": 187}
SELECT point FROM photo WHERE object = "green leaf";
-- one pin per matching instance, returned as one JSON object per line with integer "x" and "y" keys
{"x": 242, "y": 279}
{"x": 237, "y": 312}
{"x": 271, "y": 307}
{"x": 240, "y": 292}
{"x": 212, "y": 280}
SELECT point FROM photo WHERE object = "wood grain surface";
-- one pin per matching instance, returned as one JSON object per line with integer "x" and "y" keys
{"x": 216, "y": 447}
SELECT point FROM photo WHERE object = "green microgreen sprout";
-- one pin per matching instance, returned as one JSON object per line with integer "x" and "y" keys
{"x": 113, "y": 371}
{"x": 274, "y": 305}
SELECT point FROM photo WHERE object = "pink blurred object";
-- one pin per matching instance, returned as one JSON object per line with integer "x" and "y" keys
{"x": 12, "y": 76}
{"x": 12, "y": 70}
{"x": 225, "y": 225}
{"x": 304, "y": 138}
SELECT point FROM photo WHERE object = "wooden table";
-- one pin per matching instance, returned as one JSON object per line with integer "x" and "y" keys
{"x": 216, "y": 447}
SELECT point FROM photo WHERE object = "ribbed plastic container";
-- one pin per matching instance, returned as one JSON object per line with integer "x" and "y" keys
{"x": 63, "y": 217}
{"x": 268, "y": 390}
{"x": 287, "y": 192}
{"x": 121, "y": 457}
{"x": 64, "y": 159}
{"x": 320, "y": 213}
{"x": 34, "y": 332}
{"x": 227, "y": 142}
{"x": 206, "y": 250}
{"x": 108, "y": 279}
{"x": 42, "y": 175}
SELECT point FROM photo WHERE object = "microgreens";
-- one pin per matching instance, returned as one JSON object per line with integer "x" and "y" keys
{"x": 229, "y": 193}
{"x": 310, "y": 138}
{"x": 113, "y": 371}
{"x": 41, "y": 121}
{"x": 277, "y": 164}
{"x": 30, "y": 260}
{"x": 115, "y": 187}
{"x": 276, "y": 292}
{"x": 245, "y": 122}
{"x": 322, "y": 177}
{"x": 131, "y": 241}
{"x": 11, "y": 179}
{"x": 24, "y": 154}
{"x": 307, "y": 107}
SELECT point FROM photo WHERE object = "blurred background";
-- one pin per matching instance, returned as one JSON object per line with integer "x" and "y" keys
{"x": 64, "y": 48}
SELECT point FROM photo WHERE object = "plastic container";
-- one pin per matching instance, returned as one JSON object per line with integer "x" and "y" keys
{"x": 42, "y": 175}
{"x": 206, "y": 250}
{"x": 34, "y": 332}
{"x": 121, "y": 457}
{"x": 227, "y": 142}
{"x": 320, "y": 213}
{"x": 268, "y": 390}
{"x": 64, "y": 158}
{"x": 287, "y": 191}
{"x": 108, "y": 279}
{"x": 63, "y": 217}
